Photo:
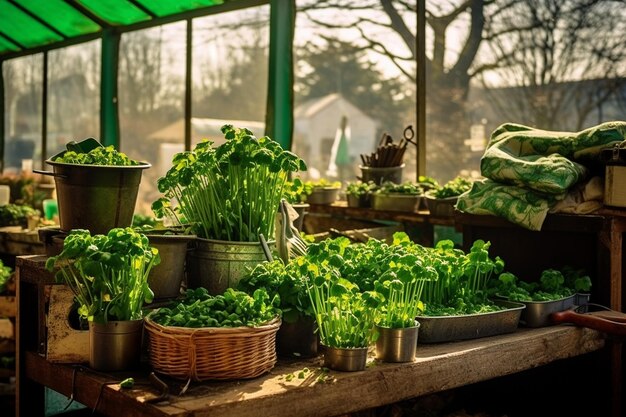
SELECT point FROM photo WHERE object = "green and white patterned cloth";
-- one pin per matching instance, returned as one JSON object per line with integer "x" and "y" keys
{"x": 527, "y": 171}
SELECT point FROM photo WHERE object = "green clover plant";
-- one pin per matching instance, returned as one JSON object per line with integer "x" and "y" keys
{"x": 108, "y": 274}
{"x": 230, "y": 192}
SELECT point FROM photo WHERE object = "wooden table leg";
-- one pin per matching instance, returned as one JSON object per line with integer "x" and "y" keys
{"x": 30, "y": 396}
{"x": 616, "y": 230}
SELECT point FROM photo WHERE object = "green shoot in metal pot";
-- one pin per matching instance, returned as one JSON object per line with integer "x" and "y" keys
{"x": 230, "y": 192}
{"x": 108, "y": 274}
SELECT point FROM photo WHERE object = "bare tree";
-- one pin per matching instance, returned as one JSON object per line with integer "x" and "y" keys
{"x": 560, "y": 61}
{"x": 448, "y": 74}
{"x": 541, "y": 49}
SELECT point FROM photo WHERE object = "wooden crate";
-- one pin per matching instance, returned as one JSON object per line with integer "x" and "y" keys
{"x": 49, "y": 305}
{"x": 64, "y": 343}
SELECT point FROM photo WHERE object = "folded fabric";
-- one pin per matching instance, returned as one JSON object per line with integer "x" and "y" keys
{"x": 529, "y": 170}
{"x": 518, "y": 205}
{"x": 584, "y": 198}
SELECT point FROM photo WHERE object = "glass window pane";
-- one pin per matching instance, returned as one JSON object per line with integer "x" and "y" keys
{"x": 353, "y": 59}
{"x": 151, "y": 92}
{"x": 73, "y": 95}
{"x": 533, "y": 63}
{"x": 230, "y": 70}
{"x": 22, "y": 84}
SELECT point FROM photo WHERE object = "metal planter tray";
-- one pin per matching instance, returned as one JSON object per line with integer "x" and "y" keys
{"x": 437, "y": 329}
{"x": 537, "y": 313}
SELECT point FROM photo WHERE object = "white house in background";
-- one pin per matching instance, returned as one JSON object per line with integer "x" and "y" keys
{"x": 315, "y": 125}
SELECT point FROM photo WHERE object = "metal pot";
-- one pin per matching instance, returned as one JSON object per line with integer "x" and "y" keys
{"x": 166, "y": 278}
{"x": 397, "y": 345}
{"x": 115, "y": 345}
{"x": 345, "y": 359}
{"x": 220, "y": 264}
{"x": 95, "y": 197}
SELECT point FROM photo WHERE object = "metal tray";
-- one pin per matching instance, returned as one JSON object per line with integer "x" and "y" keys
{"x": 537, "y": 313}
{"x": 437, "y": 329}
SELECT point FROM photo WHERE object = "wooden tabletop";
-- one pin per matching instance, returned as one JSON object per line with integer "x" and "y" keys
{"x": 304, "y": 389}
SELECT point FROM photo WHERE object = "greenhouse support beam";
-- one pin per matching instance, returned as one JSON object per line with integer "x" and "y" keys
{"x": 109, "y": 117}
{"x": 420, "y": 40}
{"x": 3, "y": 113}
{"x": 279, "y": 110}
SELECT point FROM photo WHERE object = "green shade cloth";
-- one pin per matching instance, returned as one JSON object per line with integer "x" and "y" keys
{"x": 29, "y": 24}
{"x": 529, "y": 170}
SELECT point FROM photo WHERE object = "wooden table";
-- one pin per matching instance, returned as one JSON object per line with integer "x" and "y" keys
{"x": 438, "y": 367}
{"x": 593, "y": 242}
{"x": 281, "y": 392}
{"x": 16, "y": 241}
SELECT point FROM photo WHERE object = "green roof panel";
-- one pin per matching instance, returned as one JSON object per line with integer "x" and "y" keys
{"x": 169, "y": 7}
{"x": 7, "y": 46}
{"x": 63, "y": 17}
{"x": 116, "y": 12}
{"x": 24, "y": 29}
{"x": 28, "y": 26}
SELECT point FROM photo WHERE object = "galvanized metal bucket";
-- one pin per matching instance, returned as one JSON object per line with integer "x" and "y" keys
{"x": 95, "y": 197}
{"x": 219, "y": 264}
{"x": 115, "y": 345}
{"x": 166, "y": 278}
{"x": 397, "y": 345}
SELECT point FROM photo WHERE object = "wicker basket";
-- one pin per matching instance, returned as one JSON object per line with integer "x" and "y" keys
{"x": 212, "y": 352}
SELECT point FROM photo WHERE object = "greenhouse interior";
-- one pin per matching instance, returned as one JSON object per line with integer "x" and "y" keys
{"x": 310, "y": 208}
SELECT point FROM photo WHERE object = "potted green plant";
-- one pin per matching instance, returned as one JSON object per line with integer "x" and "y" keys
{"x": 397, "y": 197}
{"x": 204, "y": 337}
{"x": 297, "y": 334}
{"x": 396, "y": 325}
{"x": 555, "y": 291}
{"x": 440, "y": 200}
{"x": 359, "y": 193}
{"x": 229, "y": 195}
{"x": 322, "y": 191}
{"x": 108, "y": 275}
{"x": 96, "y": 186}
{"x": 345, "y": 316}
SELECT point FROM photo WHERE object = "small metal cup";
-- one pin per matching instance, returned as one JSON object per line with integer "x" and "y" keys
{"x": 397, "y": 345}
{"x": 345, "y": 359}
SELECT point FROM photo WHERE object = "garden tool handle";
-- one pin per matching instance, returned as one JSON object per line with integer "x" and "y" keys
{"x": 602, "y": 324}
{"x": 266, "y": 249}
{"x": 52, "y": 174}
